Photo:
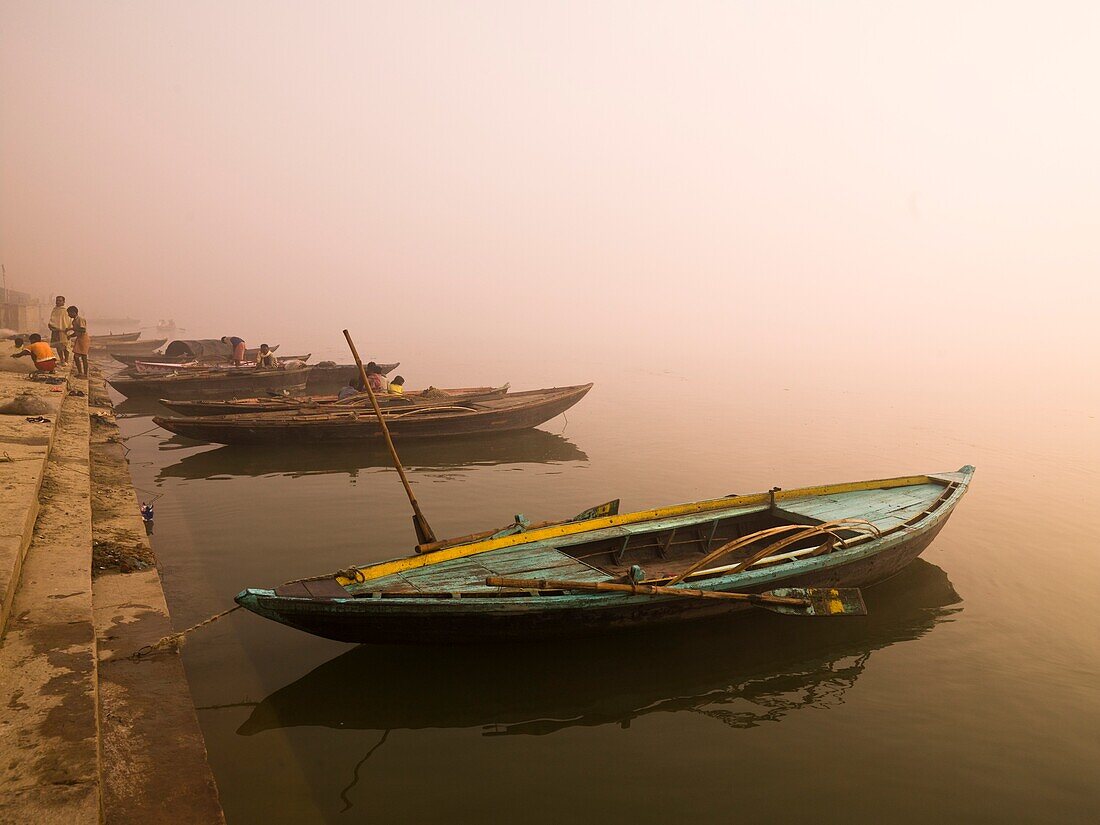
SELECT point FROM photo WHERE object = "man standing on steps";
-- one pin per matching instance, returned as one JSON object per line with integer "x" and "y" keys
{"x": 60, "y": 324}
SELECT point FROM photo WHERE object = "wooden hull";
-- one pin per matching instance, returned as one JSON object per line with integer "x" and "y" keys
{"x": 212, "y": 386}
{"x": 368, "y": 621}
{"x": 307, "y": 403}
{"x": 517, "y": 411}
{"x": 358, "y": 613}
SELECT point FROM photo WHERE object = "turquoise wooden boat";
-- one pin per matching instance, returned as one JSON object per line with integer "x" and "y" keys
{"x": 840, "y": 535}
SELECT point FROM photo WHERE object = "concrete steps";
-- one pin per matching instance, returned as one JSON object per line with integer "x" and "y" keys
{"x": 49, "y": 743}
{"x": 24, "y": 448}
{"x": 87, "y": 734}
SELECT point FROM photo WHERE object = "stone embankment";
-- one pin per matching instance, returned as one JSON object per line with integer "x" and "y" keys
{"x": 88, "y": 734}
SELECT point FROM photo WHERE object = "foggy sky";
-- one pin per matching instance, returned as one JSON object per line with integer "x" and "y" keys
{"x": 904, "y": 183}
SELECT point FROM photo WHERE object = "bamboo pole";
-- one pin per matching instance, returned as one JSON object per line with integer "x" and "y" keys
{"x": 424, "y": 534}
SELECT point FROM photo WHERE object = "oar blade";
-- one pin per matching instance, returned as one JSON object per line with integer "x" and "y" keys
{"x": 820, "y": 601}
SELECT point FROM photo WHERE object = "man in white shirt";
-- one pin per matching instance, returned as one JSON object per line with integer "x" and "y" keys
{"x": 60, "y": 323}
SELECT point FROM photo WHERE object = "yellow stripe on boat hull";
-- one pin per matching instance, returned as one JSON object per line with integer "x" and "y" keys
{"x": 388, "y": 568}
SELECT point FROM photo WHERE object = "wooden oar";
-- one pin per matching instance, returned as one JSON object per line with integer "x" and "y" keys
{"x": 792, "y": 601}
{"x": 424, "y": 534}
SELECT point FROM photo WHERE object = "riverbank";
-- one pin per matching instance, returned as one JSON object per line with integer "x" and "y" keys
{"x": 87, "y": 733}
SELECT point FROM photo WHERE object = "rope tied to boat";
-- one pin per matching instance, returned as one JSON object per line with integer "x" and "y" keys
{"x": 176, "y": 639}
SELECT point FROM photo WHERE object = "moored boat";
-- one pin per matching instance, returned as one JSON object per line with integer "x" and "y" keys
{"x": 165, "y": 367}
{"x": 307, "y": 403}
{"x": 514, "y": 411}
{"x": 115, "y": 338}
{"x": 142, "y": 349}
{"x": 213, "y": 384}
{"x": 549, "y": 580}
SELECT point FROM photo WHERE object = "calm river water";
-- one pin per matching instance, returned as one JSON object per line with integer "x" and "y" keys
{"x": 970, "y": 693}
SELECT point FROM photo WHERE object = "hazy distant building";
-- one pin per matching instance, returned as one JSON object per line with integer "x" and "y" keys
{"x": 21, "y": 312}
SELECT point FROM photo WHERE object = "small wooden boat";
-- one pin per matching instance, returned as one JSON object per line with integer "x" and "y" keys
{"x": 173, "y": 354}
{"x": 165, "y": 367}
{"x": 515, "y": 411}
{"x": 142, "y": 349}
{"x": 600, "y": 572}
{"x": 327, "y": 378}
{"x": 116, "y": 338}
{"x": 213, "y": 384}
{"x": 315, "y": 403}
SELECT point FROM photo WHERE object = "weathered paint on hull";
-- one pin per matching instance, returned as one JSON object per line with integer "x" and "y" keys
{"x": 366, "y": 620}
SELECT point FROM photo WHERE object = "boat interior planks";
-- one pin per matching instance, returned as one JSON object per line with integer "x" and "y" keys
{"x": 469, "y": 574}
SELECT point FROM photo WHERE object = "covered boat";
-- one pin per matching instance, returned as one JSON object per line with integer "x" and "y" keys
{"x": 550, "y": 581}
{"x": 514, "y": 411}
{"x": 307, "y": 403}
{"x": 213, "y": 383}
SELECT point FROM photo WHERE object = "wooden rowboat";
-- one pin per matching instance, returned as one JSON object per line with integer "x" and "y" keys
{"x": 515, "y": 411}
{"x": 165, "y": 367}
{"x": 318, "y": 403}
{"x": 831, "y": 536}
{"x": 222, "y": 356}
{"x": 142, "y": 349}
{"x": 115, "y": 338}
{"x": 213, "y": 384}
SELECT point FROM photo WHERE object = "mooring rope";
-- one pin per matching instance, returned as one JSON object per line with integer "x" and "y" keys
{"x": 175, "y": 638}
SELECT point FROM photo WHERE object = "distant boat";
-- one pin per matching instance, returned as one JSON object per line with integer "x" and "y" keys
{"x": 589, "y": 575}
{"x": 141, "y": 348}
{"x": 204, "y": 351}
{"x": 213, "y": 384}
{"x": 165, "y": 367}
{"x": 515, "y": 411}
{"x": 115, "y": 338}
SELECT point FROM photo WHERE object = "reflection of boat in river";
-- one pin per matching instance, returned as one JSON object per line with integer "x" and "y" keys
{"x": 522, "y": 447}
{"x": 759, "y": 670}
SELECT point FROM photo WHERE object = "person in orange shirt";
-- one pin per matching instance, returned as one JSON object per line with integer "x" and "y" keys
{"x": 44, "y": 358}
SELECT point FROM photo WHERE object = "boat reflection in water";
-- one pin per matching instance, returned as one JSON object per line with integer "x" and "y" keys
{"x": 520, "y": 447}
{"x": 740, "y": 671}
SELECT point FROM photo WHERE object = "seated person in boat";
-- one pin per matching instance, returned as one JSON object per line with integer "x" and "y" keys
{"x": 351, "y": 389}
{"x": 377, "y": 380}
{"x": 44, "y": 358}
{"x": 265, "y": 357}
{"x": 237, "y": 343}
{"x": 397, "y": 386}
